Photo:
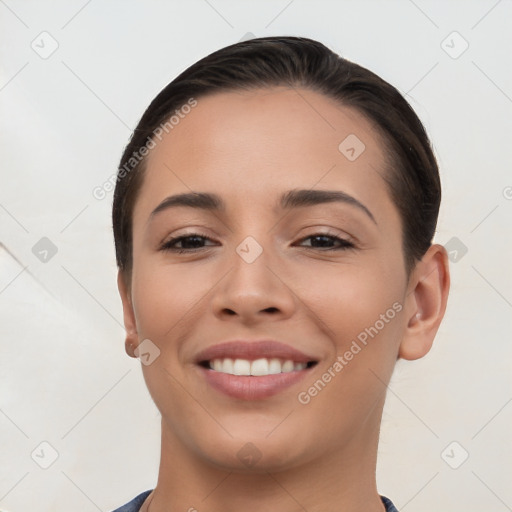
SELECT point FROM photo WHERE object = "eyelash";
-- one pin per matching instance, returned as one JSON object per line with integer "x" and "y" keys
{"x": 167, "y": 246}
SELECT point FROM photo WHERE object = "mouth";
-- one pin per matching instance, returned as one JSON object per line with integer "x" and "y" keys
{"x": 253, "y": 370}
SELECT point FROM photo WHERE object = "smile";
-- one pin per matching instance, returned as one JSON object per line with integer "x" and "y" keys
{"x": 253, "y": 370}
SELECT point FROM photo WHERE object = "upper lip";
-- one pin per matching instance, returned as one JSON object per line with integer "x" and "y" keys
{"x": 252, "y": 350}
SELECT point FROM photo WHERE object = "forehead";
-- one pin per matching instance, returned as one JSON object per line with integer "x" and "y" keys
{"x": 249, "y": 146}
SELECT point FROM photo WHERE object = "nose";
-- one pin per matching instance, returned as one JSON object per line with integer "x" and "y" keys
{"x": 254, "y": 292}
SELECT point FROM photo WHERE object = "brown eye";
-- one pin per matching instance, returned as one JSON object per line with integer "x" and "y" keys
{"x": 186, "y": 243}
{"x": 327, "y": 242}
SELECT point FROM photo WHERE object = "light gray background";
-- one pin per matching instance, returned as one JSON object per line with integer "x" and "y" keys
{"x": 65, "y": 379}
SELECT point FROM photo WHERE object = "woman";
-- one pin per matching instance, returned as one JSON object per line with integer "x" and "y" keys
{"x": 273, "y": 220}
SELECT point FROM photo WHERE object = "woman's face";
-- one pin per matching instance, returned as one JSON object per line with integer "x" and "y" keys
{"x": 274, "y": 261}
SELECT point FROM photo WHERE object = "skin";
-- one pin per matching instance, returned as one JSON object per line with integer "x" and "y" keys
{"x": 249, "y": 148}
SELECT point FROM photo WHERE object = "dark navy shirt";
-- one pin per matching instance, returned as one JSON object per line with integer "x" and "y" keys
{"x": 136, "y": 503}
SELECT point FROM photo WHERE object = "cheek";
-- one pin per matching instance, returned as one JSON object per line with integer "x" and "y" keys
{"x": 354, "y": 299}
{"x": 361, "y": 311}
{"x": 167, "y": 300}
{"x": 362, "y": 315}
{"x": 164, "y": 295}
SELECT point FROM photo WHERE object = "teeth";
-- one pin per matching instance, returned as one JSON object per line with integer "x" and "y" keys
{"x": 242, "y": 367}
{"x": 258, "y": 367}
{"x": 218, "y": 364}
{"x": 287, "y": 367}
{"x": 274, "y": 366}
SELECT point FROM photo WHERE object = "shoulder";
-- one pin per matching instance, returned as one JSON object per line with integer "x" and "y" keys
{"x": 135, "y": 504}
{"x": 388, "y": 504}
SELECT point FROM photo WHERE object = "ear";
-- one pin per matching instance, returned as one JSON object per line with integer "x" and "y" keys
{"x": 132, "y": 338}
{"x": 425, "y": 303}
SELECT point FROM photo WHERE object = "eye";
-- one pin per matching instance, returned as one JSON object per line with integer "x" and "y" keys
{"x": 324, "y": 241}
{"x": 195, "y": 241}
{"x": 189, "y": 243}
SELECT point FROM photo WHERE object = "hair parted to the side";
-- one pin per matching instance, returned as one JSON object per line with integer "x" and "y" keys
{"x": 412, "y": 173}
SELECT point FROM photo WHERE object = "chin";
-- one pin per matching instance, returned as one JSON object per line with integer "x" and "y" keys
{"x": 254, "y": 453}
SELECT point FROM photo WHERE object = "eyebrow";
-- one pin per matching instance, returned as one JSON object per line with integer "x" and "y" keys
{"x": 289, "y": 200}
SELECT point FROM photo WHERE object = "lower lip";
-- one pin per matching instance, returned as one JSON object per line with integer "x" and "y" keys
{"x": 252, "y": 387}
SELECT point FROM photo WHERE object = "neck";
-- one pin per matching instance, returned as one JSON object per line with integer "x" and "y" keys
{"x": 337, "y": 480}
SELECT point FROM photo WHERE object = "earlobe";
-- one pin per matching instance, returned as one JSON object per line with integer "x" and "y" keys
{"x": 132, "y": 338}
{"x": 425, "y": 303}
